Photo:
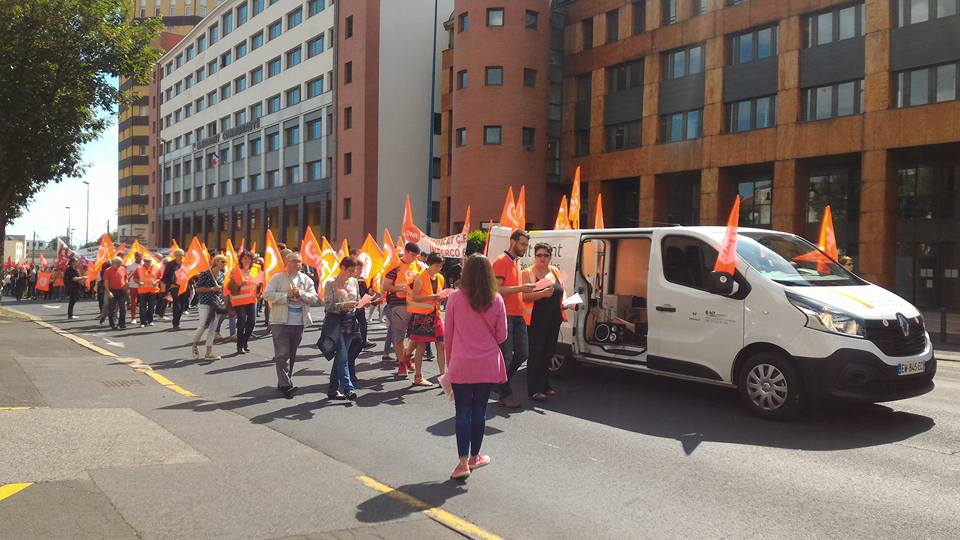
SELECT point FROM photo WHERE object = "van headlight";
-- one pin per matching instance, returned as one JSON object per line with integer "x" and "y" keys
{"x": 826, "y": 318}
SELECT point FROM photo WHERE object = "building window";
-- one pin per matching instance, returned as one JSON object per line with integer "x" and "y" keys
{"x": 241, "y": 14}
{"x": 495, "y": 17}
{"x": 347, "y": 117}
{"x": 240, "y": 50}
{"x": 227, "y": 21}
{"x": 201, "y": 44}
{"x": 464, "y": 21}
{"x": 315, "y": 46}
{"x": 315, "y": 6}
{"x": 347, "y": 208}
{"x": 273, "y": 104}
{"x": 292, "y": 175}
{"x": 274, "y": 30}
{"x": 274, "y": 67}
{"x": 273, "y": 179}
{"x": 256, "y": 41}
{"x": 294, "y": 18}
{"x": 461, "y": 137}
{"x": 753, "y": 45}
{"x": 613, "y": 25}
{"x": 256, "y": 147}
{"x": 273, "y": 142}
{"x": 294, "y": 57}
{"x": 348, "y": 73}
{"x": 238, "y": 151}
{"x": 199, "y": 74}
{"x": 681, "y": 126}
{"x": 212, "y": 67}
{"x": 348, "y": 28}
{"x": 226, "y": 59}
{"x": 214, "y": 33}
{"x": 529, "y": 138}
{"x": 586, "y": 31}
{"x": 239, "y": 84}
{"x": 291, "y": 136}
{"x": 757, "y": 113}
{"x": 314, "y": 130}
{"x": 256, "y": 110}
{"x": 833, "y": 186}
{"x": 581, "y": 142}
{"x": 625, "y": 76}
{"x": 917, "y": 11}
{"x": 840, "y": 99}
{"x": 699, "y": 7}
{"x": 256, "y": 76}
{"x": 314, "y": 170}
{"x": 529, "y": 77}
{"x": 683, "y": 62}
{"x": 623, "y": 136}
{"x": 669, "y": 10}
{"x": 315, "y": 87}
{"x": 530, "y": 18}
{"x": 639, "y": 17}
{"x": 461, "y": 79}
{"x": 293, "y": 95}
{"x": 494, "y": 76}
{"x": 933, "y": 84}
{"x": 348, "y": 163}
{"x": 492, "y": 135}
{"x": 225, "y": 92}
{"x": 756, "y": 202}
{"x": 833, "y": 25}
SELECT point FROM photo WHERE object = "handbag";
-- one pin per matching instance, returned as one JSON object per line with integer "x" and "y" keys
{"x": 219, "y": 304}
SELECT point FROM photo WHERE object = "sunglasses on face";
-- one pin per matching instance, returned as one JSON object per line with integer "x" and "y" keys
{"x": 543, "y": 255}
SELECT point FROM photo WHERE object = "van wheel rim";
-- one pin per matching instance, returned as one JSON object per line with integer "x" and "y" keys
{"x": 767, "y": 387}
{"x": 556, "y": 362}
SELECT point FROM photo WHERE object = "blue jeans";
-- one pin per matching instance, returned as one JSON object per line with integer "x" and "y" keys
{"x": 387, "y": 341}
{"x": 471, "y": 405}
{"x": 340, "y": 372}
{"x": 515, "y": 351}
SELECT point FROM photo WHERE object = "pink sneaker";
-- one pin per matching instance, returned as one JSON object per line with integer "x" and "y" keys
{"x": 478, "y": 461}
{"x": 461, "y": 472}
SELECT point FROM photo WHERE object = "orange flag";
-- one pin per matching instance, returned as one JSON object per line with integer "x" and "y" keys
{"x": 174, "y": 245}
{"x": 466, "y": 223}
{"x": 310, "y": 250}
{"x": 232, "y": 261}
{"x": 727, "y": 259}
{"x": 253, "y": 247}
{"x": 598, "y": 221}
{"x": 573, "y": 214}
{"x": 195, "y": 260}
{"x": 520, "y": 211}
{"x": 243, "y": 242}
{"x": 486, "y": 243}
{"x": 43, "y": 281}
{"x": 271, "y": 258}
{"x": 344, "y": 250}
{"x": 389, "y": 249}
{"x": 134, "y": 249}
{"x": 563, "y": 222}
{"x": 43, "y": 261}
{"x": 104, "y": 253}
{"x": 371, "y": 252}
{"x": 828, "y": 239}
{"x": 409, "y": 232}
{"x": 329, "y": 263}
{"x": 508, "y": 216}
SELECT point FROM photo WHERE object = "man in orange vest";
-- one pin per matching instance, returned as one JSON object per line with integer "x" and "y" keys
{"x": 395, "y": 285}
{"x": 243, "y": 298}
{"x": 148, "y": 287}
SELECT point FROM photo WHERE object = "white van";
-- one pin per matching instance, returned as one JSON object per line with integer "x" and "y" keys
{"x": 792, "y": 330}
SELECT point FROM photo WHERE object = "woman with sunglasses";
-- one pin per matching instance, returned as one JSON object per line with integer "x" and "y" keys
{"x": 543, "y": 312}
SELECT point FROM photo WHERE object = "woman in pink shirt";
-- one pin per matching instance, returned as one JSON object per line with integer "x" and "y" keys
{"x": 475, "y": 325}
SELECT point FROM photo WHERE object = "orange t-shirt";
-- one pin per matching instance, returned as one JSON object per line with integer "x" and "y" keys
{"x": 508, "y": 269}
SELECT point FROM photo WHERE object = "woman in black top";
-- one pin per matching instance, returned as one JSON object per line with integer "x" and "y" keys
{"x": 73, "y": 282}
{"x": 544, "y": 322}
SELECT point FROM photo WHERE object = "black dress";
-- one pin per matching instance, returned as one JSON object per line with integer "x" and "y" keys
{"x": 543, "y": 333}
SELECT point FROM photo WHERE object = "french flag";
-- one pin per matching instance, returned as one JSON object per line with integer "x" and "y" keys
{"x": 214, "y": 159}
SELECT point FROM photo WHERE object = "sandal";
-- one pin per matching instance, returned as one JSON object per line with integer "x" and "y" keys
{"x": 420, "y": 381}
{"x": 211, "y": 356}
{"x": 196, "y": 353}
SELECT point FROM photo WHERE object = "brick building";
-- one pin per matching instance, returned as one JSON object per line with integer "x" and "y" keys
{"x": 673, "y": 107}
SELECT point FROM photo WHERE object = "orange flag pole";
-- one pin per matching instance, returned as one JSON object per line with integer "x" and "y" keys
{"x": 573, "y": 214}
{"x": 466, "y": 224}
{"x": 598, "y": 220}
{"x": 486, "y": 244}
{"x": 828, "y": 238}
{"x": 508, "y": 216}
{"x": 521, "y": 208}
{"x": 563, "y": 222}
{"x": 727, "y": 259}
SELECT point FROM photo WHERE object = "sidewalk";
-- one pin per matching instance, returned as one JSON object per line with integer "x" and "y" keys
{"x": 112, "y": 454}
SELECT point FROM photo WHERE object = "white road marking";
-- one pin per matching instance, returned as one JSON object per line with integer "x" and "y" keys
{"x": 51, "y": 307}
{"x": 114, "y": 343}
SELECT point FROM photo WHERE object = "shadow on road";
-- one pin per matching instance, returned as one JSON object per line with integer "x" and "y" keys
{"x": 692, "y": 413}
{"x": 389, "y": 507}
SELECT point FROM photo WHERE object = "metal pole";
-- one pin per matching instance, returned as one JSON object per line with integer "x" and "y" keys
{"x": 68, "y": 227}
{"x": 33, "y": 258}
{"x": 433, "y": 97}
{"x": 943, "y": 325}
{"x": 87, "y": 226}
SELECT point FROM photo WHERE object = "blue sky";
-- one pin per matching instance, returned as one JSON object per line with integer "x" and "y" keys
{"x": 47, "y": 216}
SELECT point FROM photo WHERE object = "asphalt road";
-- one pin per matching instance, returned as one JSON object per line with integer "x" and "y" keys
{"x": 614, "y": 455}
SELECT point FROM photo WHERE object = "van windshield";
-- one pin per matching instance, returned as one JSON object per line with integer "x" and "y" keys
{"x": 792, "y": 261}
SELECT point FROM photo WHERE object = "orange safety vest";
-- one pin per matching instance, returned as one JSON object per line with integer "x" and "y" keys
{"x": 149, "y": 280}
{"x": 526, "y": 276}
{"x": 248, "y": 289}
{"x": 406, "y": 273}
{"x": 426, "y": 289}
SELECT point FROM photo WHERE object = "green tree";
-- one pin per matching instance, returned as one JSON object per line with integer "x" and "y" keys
{"x": 476, "y": 240}
{"x": 58, "y": 61}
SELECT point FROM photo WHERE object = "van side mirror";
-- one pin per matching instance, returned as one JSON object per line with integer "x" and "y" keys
{"x": 721, "y": 283}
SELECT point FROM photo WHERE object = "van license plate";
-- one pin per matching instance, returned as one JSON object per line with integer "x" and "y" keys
{"x": 911, "y": 368}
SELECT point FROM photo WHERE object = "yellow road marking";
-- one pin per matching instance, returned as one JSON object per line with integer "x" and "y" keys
{"x": 15, "y": 408}
{"x": 9, "y": 490}
{"x": 441, "y": 516}
{"x": 135, "y": 363}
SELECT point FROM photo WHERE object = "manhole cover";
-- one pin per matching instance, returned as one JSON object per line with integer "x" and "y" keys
{"x": 121, "y": 383}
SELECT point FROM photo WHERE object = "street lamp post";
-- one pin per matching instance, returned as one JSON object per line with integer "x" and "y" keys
{"x": 433, "y": 97}
{"x": 68, "y": 227}
{"x": 87, "y": 226}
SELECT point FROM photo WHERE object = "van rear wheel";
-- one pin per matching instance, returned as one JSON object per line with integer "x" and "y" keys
{"x": 771, "y": 387}
{"x": 561, "y": 365}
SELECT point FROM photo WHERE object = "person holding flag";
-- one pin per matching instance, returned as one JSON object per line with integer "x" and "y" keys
{"x": 243, "y": 298}
{"x": 394, "y": 283}
{"x": 175, "y": 296}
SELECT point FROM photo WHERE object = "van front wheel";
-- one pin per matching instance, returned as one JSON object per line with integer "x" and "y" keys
{"x": 770, "y": 386}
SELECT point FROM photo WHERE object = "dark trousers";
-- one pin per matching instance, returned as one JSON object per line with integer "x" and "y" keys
{"x": 148, "y": 303}
{"x": 246, "y": 319}
{"x": 471, "y": 405}
{"x": 74, "y": 296}
{"x": 117, "y": 307}
{"x": 180, "y": 304}
{"x": 543, "y": 336}
{"x": 161, "y": 304}
{"x": 515, "y": 351}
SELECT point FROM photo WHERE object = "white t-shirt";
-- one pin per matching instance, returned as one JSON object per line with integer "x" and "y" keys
{"x": 132, "y": 275}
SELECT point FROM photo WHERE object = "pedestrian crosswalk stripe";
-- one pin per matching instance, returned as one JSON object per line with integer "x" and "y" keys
{"x": 440, "y": 516}
{"x": 9, "y": 490}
